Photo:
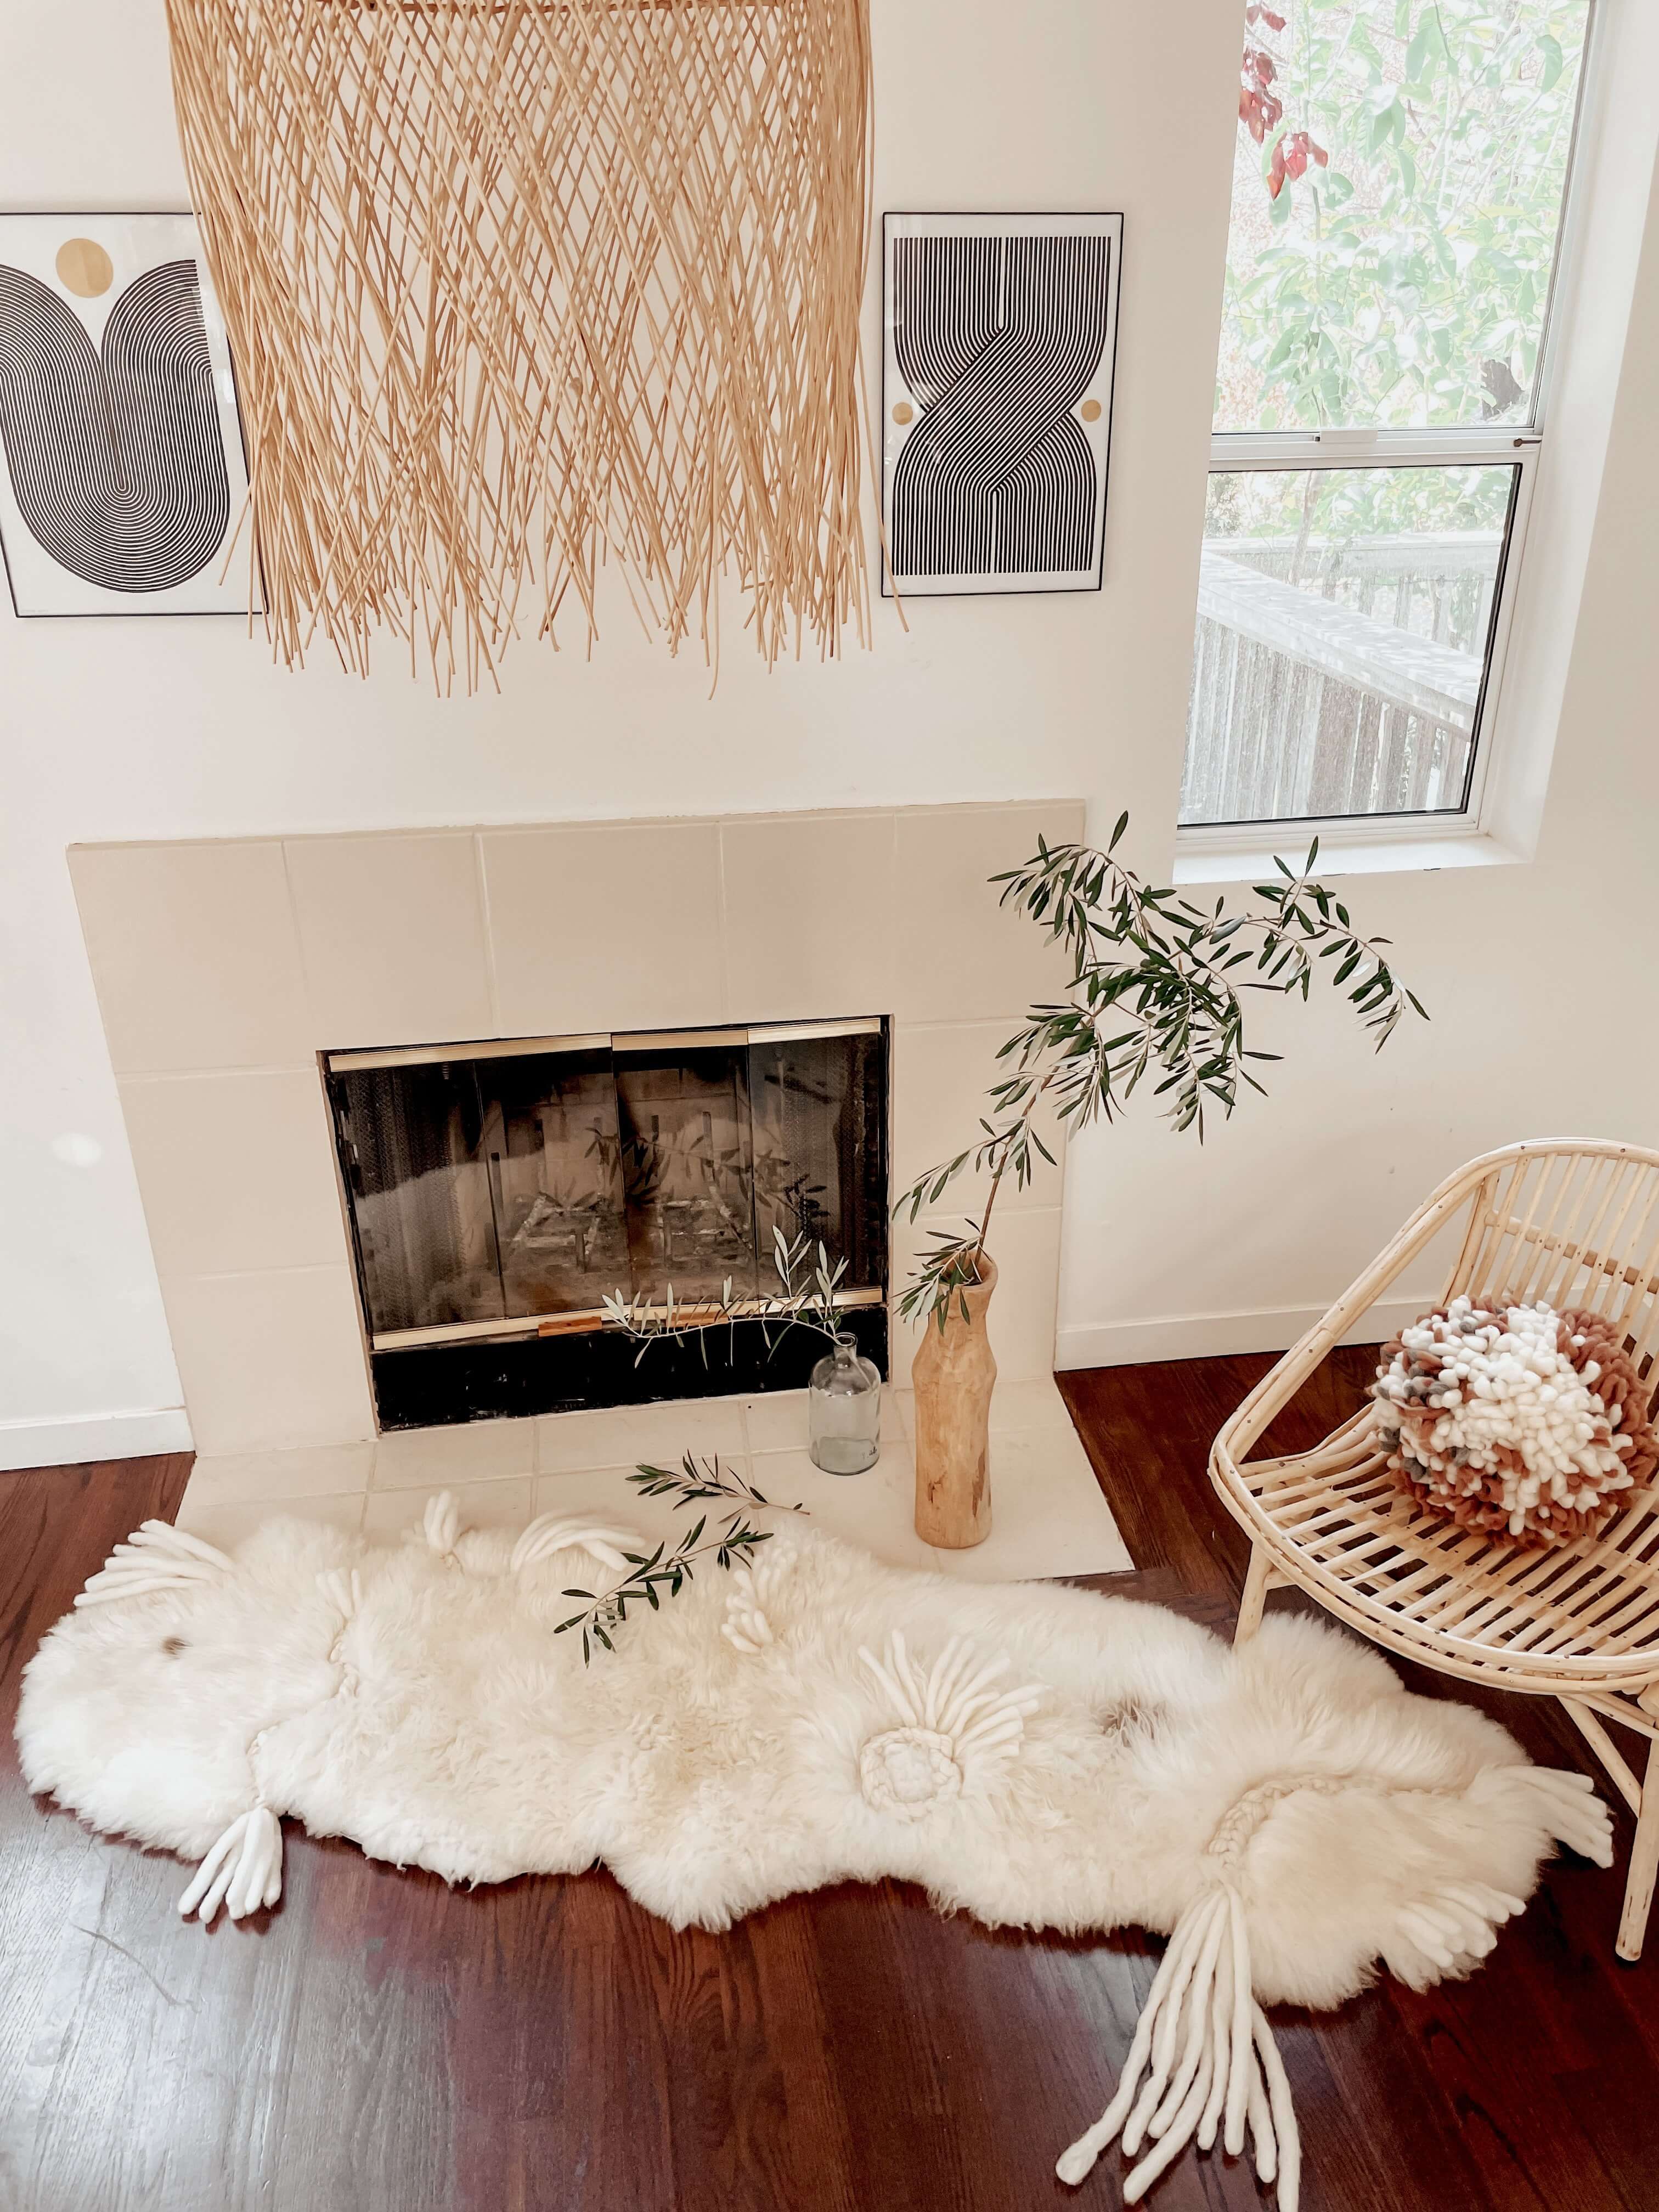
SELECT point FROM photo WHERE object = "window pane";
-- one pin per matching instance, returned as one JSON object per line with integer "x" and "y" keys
{"x": 1345, "y": 621}
{"x": 1394, "y": 228}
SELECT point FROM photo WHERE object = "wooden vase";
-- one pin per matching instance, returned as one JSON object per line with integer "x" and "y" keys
{"x": 953, "y": 1376}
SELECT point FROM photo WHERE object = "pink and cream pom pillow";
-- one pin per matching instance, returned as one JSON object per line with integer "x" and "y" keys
{"x": 1529, "y": 1425}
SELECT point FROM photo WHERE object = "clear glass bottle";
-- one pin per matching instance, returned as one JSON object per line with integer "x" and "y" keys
{"x": 844, "y": 1410}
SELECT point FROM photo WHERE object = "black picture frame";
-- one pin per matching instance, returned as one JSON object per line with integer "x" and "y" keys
{"x": 895, "y": 580}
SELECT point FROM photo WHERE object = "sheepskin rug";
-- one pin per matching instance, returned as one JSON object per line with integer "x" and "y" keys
{"x": 1037, "y": 1756}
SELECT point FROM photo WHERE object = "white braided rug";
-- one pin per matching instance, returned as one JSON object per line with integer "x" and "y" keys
{"x": 1035, "y": 1755}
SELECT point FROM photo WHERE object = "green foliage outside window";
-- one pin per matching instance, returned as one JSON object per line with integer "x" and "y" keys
{"x": 1391, "y": 266}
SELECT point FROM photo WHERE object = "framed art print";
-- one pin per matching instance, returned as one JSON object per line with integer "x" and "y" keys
{"x": 123, "y": 487}
{"x": 1000, "y": 337}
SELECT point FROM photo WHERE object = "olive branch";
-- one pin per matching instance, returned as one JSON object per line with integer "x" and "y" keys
{"x": 1156, "y": 990}
{"x": 735, "y": 1543}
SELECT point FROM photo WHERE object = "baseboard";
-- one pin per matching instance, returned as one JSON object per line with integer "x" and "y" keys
{"x": 70, "y": 1440}
{"x": 1205, "y": 1336}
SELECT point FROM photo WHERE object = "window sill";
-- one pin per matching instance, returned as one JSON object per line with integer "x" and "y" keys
{"x": 1244, "y": 853}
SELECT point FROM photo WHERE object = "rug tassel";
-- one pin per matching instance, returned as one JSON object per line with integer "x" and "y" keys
{"x": 550, "y": 1533}
{"x": 441, "y": 1522}
{"x": 1209, "y": 2061}
{"x": 242, "y": 1872}
{"x": 156, "y": 1557}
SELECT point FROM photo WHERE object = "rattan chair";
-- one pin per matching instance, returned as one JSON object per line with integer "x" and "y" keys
{"x": 1572, "y": 1224}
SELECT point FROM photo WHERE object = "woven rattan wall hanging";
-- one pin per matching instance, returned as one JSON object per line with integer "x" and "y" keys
{"x": 516, "y": 289}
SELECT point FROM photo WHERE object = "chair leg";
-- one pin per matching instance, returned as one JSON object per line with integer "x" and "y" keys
{"x": 1257, "y": 1583}
{"x": 1643, "y": 1864}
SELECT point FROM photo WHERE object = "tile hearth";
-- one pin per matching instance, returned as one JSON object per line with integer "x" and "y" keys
{"x": 1050, "y": 1518}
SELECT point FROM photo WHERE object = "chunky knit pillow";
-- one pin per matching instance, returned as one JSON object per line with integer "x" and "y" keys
{"x": 1510, "y": 1417}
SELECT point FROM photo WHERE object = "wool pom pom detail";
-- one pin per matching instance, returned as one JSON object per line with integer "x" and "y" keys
{"x": 1527, "y": 1425}
{"x": 955, "y": 1728}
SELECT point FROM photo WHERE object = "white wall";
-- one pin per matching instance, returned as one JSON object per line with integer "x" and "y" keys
{"x": 148, "y": 729}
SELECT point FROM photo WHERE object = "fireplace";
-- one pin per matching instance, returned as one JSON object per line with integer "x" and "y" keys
{"x": 508, "y": 934}
{"x": 496, "y": 1193}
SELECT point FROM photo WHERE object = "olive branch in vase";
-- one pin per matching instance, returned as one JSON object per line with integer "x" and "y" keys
{"x": 1157, "y": 991}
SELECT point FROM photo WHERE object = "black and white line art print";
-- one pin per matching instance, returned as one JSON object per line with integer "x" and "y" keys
{"x": 123, "y": 488}
{"x": 1000, "y": 337}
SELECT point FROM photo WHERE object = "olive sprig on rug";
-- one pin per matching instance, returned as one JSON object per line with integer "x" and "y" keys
{"x": 1156, "y": 989}
{"x": 735, "y": 1544}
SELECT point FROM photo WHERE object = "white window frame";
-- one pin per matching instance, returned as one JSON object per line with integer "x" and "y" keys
{"x": 1598, "y": 242}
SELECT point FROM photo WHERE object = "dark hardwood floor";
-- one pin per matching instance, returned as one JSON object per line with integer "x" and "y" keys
{"x": 379, "y": 2043}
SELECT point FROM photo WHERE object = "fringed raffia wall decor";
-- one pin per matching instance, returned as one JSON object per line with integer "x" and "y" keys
{"x": 516, "y": 289}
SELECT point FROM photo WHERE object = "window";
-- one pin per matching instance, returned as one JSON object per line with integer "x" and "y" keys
{"x": 1398, "y": 193}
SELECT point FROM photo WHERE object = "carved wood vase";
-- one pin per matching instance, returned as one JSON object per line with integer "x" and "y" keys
{"x": 953, "y": 1376}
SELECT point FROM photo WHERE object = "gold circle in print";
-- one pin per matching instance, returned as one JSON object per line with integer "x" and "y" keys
{"x": 1089, "y": 410}
{"x": 903, "y": 412}
{"x": 85, "y": 269}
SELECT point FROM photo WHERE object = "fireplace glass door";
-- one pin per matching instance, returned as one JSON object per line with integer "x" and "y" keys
{"x": 504, "y": 1189}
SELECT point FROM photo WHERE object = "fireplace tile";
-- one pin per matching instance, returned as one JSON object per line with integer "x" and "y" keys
{"x": 875, "y": 1510}
{"x": 270, "y": 1359}
{"x": 777, "y": 1422}
{"x": 940, "y": 1075}
{"x": 277, "y": 1477}
{"x": 1048, "y": 1516}
{"x": 1017, "y": 1408}
{"x": 1026, "y": 1248}
{"x": 506, "y": 1503}
{"x": 782, "y": 876}
{"x": 236, "y": 1170}
{"x": 606, "y": 1493}
{"x": 964, "y": 957}
{"x": 605, "y": 928}
{"x": 226, "y": 1521}
{"x": 1021, "y": 1408}
{"x": 194, "y": 954}
{"x": 391, "y": 932}
{"x": 438, "y": 1459}
{"x": 625, "y": 1436}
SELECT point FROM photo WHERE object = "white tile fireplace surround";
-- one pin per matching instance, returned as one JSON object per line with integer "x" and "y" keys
{"x": 224, "y": 967}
